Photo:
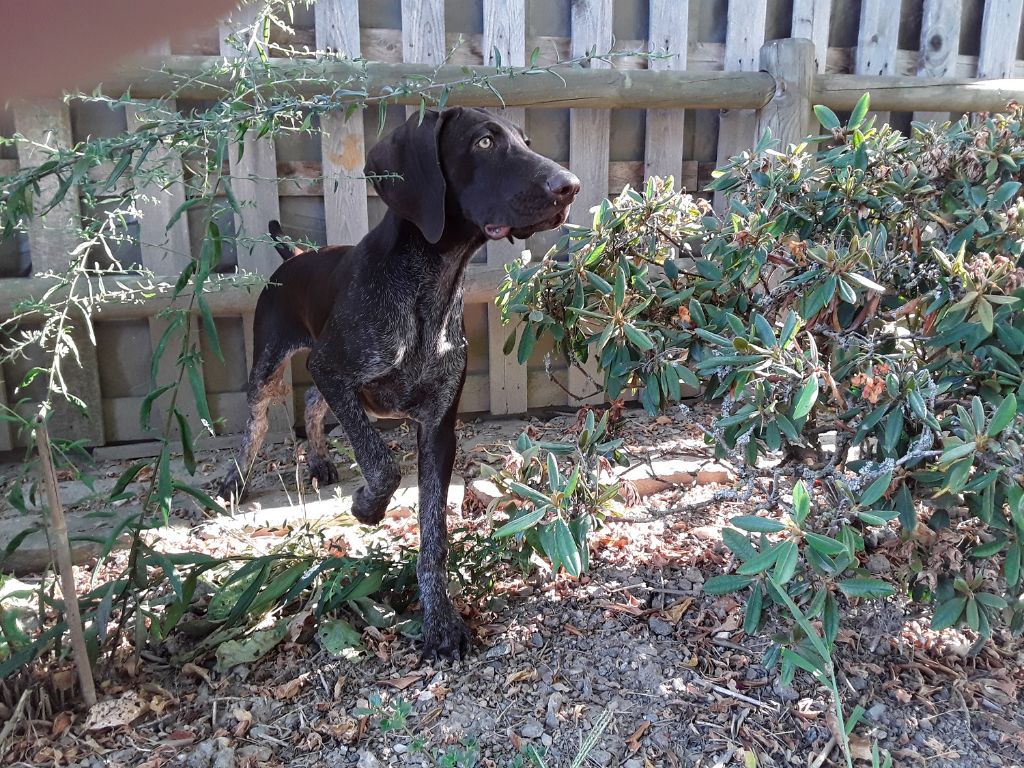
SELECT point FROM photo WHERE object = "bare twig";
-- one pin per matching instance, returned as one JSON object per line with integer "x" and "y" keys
{"x": 57, "y": 528}
{"x": 14, "y": 720}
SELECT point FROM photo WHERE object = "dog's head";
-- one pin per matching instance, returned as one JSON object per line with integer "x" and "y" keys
{"x": 466, "y": 166}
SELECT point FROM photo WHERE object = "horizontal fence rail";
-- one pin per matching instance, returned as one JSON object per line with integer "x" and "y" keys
{"x": 191, "y": 77}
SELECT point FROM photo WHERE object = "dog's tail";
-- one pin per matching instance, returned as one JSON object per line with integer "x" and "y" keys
{"x": 283, "y": 248}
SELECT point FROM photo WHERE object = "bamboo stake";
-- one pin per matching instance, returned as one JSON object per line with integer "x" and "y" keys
{"x": 60, "y": 549}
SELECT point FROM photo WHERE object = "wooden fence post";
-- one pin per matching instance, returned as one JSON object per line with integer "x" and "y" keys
{"x": 254, "y": 177}
{"x": 940, "y": 44}
{"x": 504, "y": 32}
{"x": 589, "y": 142}
{"x": 51, "y": 239}
{"x": 788, "y": 114}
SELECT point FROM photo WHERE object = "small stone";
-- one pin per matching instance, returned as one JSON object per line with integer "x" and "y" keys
{"x": 546, "y": 740}
{"x": 368, "y": 760}
{"x": 255, "y": 753}
{"x": 879, "y": 564}
{"x": 532, "y": 730}
{"x": 660, "y": 627}
{"x": 601, "y": 757}
{"x": 633, "y": 762}
{"x": 877, "y": 711}
{"x": 497, "y": 651}
{"x": 554, "y": 705}
{"x": 536, "y": 640}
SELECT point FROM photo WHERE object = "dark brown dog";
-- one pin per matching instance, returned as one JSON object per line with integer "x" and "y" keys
{"x": 383, "y": 319}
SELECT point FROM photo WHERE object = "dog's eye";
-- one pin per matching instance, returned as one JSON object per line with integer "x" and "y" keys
{"x": 485, "y": 143}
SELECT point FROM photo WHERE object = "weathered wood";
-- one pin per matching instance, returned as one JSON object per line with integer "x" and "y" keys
{"x": 52, "y": 238}
{"x": 663, "y": 140}
{"x": 811, "y": 21}
{"x": 423, "y": 40}
{"x": 788, "y": 115}
{"x": 342, "y": 143}
{"x": 589, "y": 144}
{"x": 877, "y": 41}
{"x": 744, "y": 35}
{"x": 302, "y": 178}
{"x": 571, "y": 87}
{"x": 504, "y": 32}
{"x": 940, "y": 43}
{"x": 918, "y": 93}
{"x": 422, "y": 35}
{"x": 1000, "y": 30}
{"x": 165, "y": 251}
{"x": 252, "y": 176}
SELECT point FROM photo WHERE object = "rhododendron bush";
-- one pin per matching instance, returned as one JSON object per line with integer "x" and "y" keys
{"x": 855, "y": 313}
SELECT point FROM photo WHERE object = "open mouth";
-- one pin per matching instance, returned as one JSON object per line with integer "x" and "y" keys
{"x": 499, "y": 231}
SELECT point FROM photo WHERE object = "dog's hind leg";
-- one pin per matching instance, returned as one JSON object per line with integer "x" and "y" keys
{"x": 321, "y": 468}
{"x": 266, "y": 385}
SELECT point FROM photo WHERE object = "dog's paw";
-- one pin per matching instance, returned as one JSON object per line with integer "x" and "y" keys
{"x": 323, "y": 471}
{"x": 445, "y": 636}
{"x": 368, "y": 508}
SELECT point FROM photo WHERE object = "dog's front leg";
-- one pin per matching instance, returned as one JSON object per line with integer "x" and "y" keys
{"x": 444, "y": 632}
{"x": 378, "y": 465}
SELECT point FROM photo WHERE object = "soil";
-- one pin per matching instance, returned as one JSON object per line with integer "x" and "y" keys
{"x": 633, "y": 657}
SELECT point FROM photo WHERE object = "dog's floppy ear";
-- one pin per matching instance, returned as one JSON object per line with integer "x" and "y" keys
{"x": 413, "y": 152}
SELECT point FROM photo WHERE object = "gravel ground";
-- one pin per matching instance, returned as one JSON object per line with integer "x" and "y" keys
{"x": 632, "y": 657}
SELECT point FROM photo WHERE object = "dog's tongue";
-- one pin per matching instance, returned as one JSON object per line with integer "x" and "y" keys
{"x": 496, "y": 232}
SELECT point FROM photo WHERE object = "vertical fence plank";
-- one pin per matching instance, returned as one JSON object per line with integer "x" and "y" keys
{"x": 342, "y": 143}
{"x": 940, "y": 44}
{"x": 811, "y": 21}
{"x": 254, "y": 178}
{"x": 744, "y": 34}
{"x": 164, "y": 251}
{"x": 47, "y": 123}
{"x": 877, "y": 40}
{"x": 504, "y": 31}
{"x": 589, "y": 144}
{"x": 663, "y": 143}
{"x": 422, "y": 34}
{"x": 1000, "y": 29}
{"x": 788, "y": 115}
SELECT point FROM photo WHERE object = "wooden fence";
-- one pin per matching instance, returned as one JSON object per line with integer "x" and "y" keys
{"x": 738, "y": 71}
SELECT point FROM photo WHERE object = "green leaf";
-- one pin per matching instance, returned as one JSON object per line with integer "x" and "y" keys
{"x": 756, "y": 524}
{"x": 764, "y": 560}
{"x": 866, "y": 587}
{"x": 251, "y": 649}
{"x": 801, "y": 503}
{"x": 521, "y": 523}
{"x": 723, "y": 585}
{"x": 985, "y": 314}
{"x": 859, "y": 112}
{"x": 526, "y": 492}
{"x": 738, "y": 544}
{"x": 1003, "y": 416}
{"x": 188, "y": 456}
{"x": 146, "y": 411}
{"x": 826, "y": 117}
{"x": 948, "y": 613}
{"x": 957, "y": 452}
{"x": 806, "y": 398}
{"x": 638, "y": 337}
{"x": 752, "y": 618}
{"x": 786, "y": 562}
{"x": 876, "y": 490}
{"x": 568, "y": 552}
{"x": 824, "y": 544}
{"x": 865, "y": 282}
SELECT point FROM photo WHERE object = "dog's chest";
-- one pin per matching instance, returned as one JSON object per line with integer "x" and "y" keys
{"x": 427, "y": 362}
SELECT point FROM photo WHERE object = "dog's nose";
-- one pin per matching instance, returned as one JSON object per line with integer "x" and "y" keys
{"x": 563, "y": 186}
